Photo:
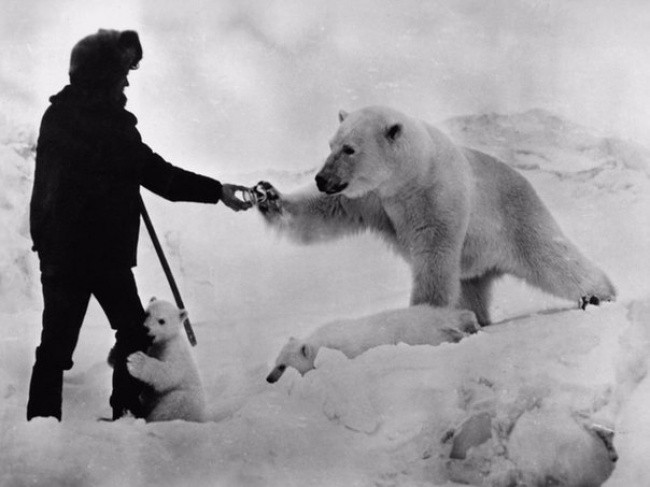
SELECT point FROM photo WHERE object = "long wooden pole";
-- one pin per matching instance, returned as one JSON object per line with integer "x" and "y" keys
{"x": 168, "y": 272}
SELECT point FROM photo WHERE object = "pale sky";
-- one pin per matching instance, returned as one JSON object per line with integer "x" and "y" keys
{"x": 241, "y": 85}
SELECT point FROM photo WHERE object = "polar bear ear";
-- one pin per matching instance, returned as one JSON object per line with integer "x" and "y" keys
{"x": 393, "y": 132}
{"x": 182, "y": 315}
{"x": 153, "y": 298}
{"x": 342, "y": 115}
{"x": 306, "y": 351}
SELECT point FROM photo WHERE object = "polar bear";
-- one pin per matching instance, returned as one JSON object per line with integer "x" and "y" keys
{"x": 168, "y": 369}
{"x": 417, "y": 325}
{"x": 460, "y": 218}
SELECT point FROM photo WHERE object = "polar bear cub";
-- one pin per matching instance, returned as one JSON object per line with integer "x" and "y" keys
{"x": 168, "y": 368}
{"x": 417, "y": 325}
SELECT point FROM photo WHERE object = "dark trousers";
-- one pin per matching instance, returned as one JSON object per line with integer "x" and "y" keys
{"x": 66, "y": 295}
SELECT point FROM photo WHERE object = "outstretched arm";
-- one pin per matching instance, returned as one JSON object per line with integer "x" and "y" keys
{"x": 309, "y": 216}
{"x": 176, "y": 184}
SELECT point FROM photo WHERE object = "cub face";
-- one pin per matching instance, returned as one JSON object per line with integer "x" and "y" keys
{"x": 296, "y": 354}
{"x": 163, "y": 320}
{"x": 361, "y": 158}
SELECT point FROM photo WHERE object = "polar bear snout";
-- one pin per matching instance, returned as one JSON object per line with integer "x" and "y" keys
{"x": 330, "y": 184}
{"x": 275, "y": 374}
{"x": 148, "y": 328}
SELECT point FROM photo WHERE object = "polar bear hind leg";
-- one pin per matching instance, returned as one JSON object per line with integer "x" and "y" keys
{"x": 549, "y": 261}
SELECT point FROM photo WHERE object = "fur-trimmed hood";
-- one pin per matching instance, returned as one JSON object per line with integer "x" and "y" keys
{"x": 98, "y": 60}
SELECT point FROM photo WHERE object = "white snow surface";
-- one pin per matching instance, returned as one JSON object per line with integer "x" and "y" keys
{"x": 544, "y": 375}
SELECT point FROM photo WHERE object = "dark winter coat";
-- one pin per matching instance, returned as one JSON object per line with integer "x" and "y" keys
{"x": 90, "y": 164}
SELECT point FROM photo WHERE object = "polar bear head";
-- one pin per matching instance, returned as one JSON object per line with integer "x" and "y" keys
{"x": 163, "y": 320}
{"x": 297, "y": 354}
{"x": 374, "y": 148}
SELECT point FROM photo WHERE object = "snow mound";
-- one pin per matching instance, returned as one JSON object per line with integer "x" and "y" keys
{"x": 538, "y": 139}
{"x": 17, "y": 277}
{"x": 532, "y": 401}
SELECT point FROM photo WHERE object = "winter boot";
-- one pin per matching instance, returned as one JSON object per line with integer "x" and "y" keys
{"x": 45, "y": 391}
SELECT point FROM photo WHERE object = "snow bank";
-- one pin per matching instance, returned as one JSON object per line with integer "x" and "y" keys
{"x": 17, "y": 277}
{"x": 538, "y": 139}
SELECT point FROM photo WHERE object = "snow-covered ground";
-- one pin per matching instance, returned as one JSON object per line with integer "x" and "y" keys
{"x": 531, "y": 398}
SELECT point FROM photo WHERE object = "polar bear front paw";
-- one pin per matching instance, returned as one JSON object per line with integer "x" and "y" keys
{"x": 452, "y": 335}
{"x": 135, "y": 364}
{"x": 467, "y": 321}
{"x": 271, "y": 203}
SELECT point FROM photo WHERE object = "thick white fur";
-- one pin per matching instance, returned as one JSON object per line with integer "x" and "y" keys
{"x": 175, "y": 390}
{"x": 461, "y": 218}
{"x": 417, "y": 325}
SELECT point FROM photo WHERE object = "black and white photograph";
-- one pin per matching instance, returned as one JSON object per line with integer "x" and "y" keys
{"x": 325, "y": 243}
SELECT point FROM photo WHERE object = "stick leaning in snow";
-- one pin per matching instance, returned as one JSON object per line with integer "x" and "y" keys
{"x": 416, "y": 325}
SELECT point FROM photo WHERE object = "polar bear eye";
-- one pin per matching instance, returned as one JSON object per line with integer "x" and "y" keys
{"x": 349, "y": 150}
{"x": 161, "y": 321}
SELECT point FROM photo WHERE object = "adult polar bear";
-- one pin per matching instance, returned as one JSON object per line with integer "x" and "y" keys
{"x": 461, "y": 218}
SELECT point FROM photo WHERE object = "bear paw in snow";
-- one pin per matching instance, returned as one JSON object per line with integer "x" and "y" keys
{"x": 586, "y": 300}
{"x": 467, "y": 322}
{"x": 135, "y": 364}
{"x": 453, "y": 335}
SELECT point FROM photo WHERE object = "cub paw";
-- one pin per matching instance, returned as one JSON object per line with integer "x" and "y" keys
{"x": 135, "y": 364}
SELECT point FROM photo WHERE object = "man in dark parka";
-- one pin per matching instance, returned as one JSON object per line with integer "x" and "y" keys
{"x": 85, "y": 218}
